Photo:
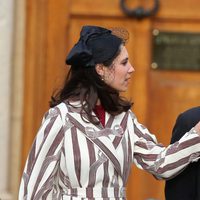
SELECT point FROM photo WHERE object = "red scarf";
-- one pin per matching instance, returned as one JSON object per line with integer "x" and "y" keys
{"x": 100, "y": 112}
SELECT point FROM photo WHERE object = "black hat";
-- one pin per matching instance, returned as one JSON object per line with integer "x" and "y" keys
{"x": 95, "y": 46}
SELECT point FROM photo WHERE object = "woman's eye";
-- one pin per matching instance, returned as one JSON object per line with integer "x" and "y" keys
{"x": 125, "y": 62}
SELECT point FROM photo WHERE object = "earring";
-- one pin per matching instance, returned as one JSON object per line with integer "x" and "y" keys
{"x": 102, "y": 77}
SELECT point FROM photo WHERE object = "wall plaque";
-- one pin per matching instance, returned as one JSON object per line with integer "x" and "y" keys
{"x": 176, "y": 50}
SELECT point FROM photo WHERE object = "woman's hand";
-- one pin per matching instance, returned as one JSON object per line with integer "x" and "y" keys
{"x": 197, "y": 128}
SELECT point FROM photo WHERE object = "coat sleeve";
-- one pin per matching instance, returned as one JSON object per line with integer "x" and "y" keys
{"x": 164, "y": 162}
{"x": 39, "y": 176}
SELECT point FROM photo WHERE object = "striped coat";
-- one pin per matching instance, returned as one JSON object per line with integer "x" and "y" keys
{"x": 71, "y": 159}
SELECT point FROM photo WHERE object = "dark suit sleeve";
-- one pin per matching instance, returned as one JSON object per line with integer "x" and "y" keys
{"x": 183, "y": 186}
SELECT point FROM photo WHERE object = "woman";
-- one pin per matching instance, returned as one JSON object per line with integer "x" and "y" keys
{"x": 90, "y": 137}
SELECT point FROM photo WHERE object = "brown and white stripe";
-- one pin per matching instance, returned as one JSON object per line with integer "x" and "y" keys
{"x": 65, "y": 162}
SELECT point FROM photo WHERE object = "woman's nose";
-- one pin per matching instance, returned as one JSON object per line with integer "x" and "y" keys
{"x": 131, "y": 69}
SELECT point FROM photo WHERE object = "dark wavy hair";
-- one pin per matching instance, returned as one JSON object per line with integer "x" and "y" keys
{"x": 85, "y": 85}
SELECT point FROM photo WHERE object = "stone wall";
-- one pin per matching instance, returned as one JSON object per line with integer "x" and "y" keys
{"x": 12, "y": 22}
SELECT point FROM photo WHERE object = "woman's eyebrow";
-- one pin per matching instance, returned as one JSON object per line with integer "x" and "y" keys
{"x": 125, "y": 59}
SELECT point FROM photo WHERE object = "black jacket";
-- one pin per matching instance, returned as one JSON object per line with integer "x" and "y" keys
{"x": 186, "y": 185}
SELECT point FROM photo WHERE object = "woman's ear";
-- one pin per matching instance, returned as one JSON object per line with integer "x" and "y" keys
{"x": 100, "y": 69}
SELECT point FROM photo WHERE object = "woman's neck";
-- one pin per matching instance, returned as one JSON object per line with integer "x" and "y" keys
{"x": 98, "y": 102}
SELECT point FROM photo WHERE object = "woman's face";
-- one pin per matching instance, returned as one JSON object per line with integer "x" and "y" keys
{"x": 119, "y": 73}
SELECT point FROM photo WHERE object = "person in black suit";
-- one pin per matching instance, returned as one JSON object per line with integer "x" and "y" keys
{"x": 186, "y": 185}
